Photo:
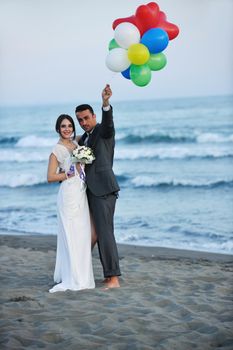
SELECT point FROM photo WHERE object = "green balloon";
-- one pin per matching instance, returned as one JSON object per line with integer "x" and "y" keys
{"x": 112, "y": 44}
{"x": 157, "y": 61}
{"x": 140, "y": 75}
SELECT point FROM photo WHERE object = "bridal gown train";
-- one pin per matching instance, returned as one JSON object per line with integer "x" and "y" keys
{"x": 73, "y": 269}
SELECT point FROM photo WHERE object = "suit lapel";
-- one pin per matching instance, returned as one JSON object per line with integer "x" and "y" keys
{"x": 93, "y": 137}
{"x": 81, "y": 141}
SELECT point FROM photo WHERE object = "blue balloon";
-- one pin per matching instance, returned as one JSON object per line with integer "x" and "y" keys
{"x": 155, "y": 39}
{"x": 126, "y": 73}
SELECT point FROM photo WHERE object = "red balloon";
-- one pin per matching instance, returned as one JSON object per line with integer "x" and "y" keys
{"x": 162, "y": 16}
{"x": 117, "y": 21}
{"x": 171, "y": 29}
{"x": 132, "y": 19}
{"x": 147, "y": 17}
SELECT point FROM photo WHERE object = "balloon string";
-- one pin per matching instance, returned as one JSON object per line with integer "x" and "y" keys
{"x": 112, "y": 76}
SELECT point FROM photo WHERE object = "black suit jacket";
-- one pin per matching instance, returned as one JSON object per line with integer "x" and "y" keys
{"x": 100, "y": 177}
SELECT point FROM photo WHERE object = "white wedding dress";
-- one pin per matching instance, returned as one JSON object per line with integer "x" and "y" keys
{"x": 73, "y": 269}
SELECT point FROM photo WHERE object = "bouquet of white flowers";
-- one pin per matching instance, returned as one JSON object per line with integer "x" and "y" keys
{"x": 82, "y": 154}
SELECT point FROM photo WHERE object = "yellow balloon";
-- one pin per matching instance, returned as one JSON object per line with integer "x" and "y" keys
{"x": 138, "y": 54}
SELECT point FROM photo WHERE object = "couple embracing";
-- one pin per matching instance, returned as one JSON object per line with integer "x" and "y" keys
{"x": 86, "y": 199}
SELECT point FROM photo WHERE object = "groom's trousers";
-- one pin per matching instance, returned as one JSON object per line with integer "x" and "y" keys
{"x": 102, "y": 209}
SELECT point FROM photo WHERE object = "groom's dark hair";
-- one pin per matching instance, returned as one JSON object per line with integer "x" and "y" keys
{"x": 83, "y": 107}
{"x": 59, "y": 121}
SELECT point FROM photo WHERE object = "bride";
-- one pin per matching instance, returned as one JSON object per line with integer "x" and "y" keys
{"x": 73, "y": 269}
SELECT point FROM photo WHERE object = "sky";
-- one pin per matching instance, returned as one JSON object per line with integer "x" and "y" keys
{"x": 54, "y": 51}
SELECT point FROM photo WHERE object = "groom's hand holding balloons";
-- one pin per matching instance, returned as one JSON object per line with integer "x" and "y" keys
{"x": 106, "y": 94}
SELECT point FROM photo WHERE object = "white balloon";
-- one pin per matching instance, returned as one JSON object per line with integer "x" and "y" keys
{"x": 117, "y": 60}
{"x": 126, "y": 34}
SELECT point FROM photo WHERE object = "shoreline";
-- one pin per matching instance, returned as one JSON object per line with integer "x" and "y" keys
{"x": 169, "y": 299}
{"x": 48, "y": 242}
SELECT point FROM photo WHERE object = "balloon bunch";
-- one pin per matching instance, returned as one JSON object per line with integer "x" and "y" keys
{"x": 138, "y": 42}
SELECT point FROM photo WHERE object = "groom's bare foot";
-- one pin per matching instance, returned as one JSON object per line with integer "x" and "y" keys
{"x": 106, "y": 280}
{"x": 113, "y": 282}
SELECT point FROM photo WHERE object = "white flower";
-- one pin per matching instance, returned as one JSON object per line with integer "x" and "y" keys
{"x": 82, "y": 154}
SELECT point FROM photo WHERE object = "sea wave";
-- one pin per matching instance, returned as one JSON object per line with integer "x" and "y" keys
{"x": 35, "y": 141}
{"x": 21, "y": 180}
{"x": 214, "y": 138}
{"x": 30, "y": 180}
{"x": 27, "y": 141}
{"x": 161, "y": 153}
{"x": 173, "y": 153}
{"x": 156, "y": 137}
{"x": 140, "y": 181}
{"x": 22, "y": 156}
{"x": 223, "y": 246}
{"x": 8, "y": 140}
{"x": 150, "y": 182}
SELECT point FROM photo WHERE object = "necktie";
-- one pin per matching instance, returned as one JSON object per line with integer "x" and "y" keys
{"x": 86, "y": 139}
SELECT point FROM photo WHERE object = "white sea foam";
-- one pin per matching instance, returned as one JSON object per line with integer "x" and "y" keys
{"x": 173, "y": 152}
{"x": 36, "y": 141}
{"x": 214, "y": 247}
{"x": 19, "y": 180}
{"x": 148, "y": 181}
{"x": 214, "y": 138}
{"x": 22, "y": 156}
{"x": 27, "y": 179}
{"x": 156, "y": 136}
{"x": 33, "y": 141}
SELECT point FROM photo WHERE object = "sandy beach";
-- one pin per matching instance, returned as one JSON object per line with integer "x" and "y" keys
{"x": 169, "y": 299}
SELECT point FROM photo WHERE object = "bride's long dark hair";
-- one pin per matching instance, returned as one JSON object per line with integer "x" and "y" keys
{"x": 59, "y": 121}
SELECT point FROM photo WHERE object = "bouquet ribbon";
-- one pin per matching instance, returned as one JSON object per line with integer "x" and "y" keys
{"x": 82, "y": 174}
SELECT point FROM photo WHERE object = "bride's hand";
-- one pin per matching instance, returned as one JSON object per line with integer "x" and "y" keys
{"x": 70, "y": 172}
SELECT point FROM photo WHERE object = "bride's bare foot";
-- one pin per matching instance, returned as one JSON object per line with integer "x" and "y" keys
{"x": 113, "y": 282}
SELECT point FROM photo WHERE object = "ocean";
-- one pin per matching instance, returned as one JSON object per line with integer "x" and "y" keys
{"x": 173, "y": 161}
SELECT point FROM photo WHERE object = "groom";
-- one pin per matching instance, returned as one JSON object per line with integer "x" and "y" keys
{"x": 102, "y": 187}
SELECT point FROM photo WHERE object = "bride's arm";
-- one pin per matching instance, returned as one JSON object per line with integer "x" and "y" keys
{"x": 52, "y": 175}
